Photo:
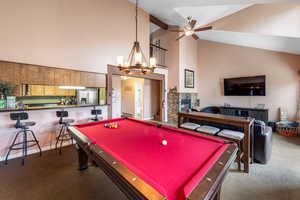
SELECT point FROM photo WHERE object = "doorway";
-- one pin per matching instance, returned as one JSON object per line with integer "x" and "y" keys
{"x": 138, "y": 96}
{"x": 132, "y": 100}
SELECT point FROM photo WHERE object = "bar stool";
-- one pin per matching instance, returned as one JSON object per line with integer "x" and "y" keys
{"x": 96, "y": 113}
{"x": 26, "y": 142}
{"x": 63, "y": 133}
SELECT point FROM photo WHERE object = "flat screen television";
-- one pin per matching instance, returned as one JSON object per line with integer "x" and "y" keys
{"x": 245, "y": 86}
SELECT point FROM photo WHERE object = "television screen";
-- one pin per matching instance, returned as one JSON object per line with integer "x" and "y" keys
{"x": 245, "y": 86}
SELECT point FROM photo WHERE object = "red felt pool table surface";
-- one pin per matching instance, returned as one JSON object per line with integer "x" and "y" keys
{"x": 174, "y": 169}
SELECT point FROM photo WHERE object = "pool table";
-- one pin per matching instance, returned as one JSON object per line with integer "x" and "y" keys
{"x": 152, "y": 161}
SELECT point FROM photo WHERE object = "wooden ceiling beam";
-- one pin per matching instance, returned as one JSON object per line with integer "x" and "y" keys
{"x": 158, "y": 22}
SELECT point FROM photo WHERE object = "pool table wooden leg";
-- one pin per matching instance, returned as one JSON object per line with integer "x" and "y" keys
{"x": 82, "y": 158}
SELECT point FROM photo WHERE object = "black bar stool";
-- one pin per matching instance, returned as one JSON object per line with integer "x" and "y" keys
{"x": 96, "y": 113}
{"x": 26, "y": 143}
{"x": 63, "y": 133}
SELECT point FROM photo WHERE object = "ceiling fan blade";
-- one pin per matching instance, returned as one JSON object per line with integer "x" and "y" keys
{"x": 193, "y": 23}
{"x": 180, "y": 37}
{"x": 195, "y": 36}
{"x": 203, "y": 28}
{"x": 177, "y": 31}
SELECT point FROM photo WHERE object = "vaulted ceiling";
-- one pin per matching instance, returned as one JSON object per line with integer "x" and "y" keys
{"x": 266, "y": 24}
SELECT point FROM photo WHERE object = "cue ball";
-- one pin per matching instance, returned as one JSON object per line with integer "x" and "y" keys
{"x": 164, "y": 142}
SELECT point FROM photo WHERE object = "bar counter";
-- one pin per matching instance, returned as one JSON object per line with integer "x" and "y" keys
{"x": 46, "y": 128}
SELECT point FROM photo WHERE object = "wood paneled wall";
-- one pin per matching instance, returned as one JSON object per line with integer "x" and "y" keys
{"x": 18, "y": 73}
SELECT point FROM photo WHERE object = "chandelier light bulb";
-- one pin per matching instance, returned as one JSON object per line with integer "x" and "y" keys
{"x": 152, "y": 62}
{"x": 138, "y": 58}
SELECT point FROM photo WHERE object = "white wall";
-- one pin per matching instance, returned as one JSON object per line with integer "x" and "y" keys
{"x": 218, "y": 61}
{"x": 78, "y": 34}
{"x": 277, "y": 19}
{"x": 188, "y": 54}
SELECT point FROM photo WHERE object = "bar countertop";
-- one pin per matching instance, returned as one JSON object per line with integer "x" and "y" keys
{"x": 47, "y": 107}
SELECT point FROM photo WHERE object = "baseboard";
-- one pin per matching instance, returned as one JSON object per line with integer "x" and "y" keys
{"x": 32, "y": 151}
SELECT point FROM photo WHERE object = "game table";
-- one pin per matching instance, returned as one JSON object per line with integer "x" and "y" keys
{"x": 152, "y": 161}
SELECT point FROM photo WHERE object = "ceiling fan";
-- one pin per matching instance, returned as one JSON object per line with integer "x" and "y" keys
{"x": 190, "y": 30}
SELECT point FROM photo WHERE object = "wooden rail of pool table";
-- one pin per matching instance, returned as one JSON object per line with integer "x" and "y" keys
{"x": 244, "y": 122}
{"x": 127, "y": 181}
{"x": 210, "y": 185}
{"x": 134, "y": 187}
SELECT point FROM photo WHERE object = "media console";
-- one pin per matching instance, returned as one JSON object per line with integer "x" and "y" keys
{"x": 257, "y": 113}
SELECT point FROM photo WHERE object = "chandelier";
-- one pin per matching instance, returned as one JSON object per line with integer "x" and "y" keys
{"x": 136, "y": 63}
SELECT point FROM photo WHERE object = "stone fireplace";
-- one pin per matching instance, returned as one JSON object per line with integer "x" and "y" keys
{"x": 187, "y": 101}
{"x": 173, "y": 105}
{"x": 180, "y": 102}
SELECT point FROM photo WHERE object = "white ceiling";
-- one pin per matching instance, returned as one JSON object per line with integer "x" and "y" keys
{"x": 165, "y": 10}
{"x": 268, "y": 42}
{"x": 174, "y": 12}
{"x": 207, "y": 14}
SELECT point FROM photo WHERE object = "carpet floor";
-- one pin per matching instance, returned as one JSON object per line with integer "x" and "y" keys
{"x": 278, "y": 180}
{"x": 56, "y": 177}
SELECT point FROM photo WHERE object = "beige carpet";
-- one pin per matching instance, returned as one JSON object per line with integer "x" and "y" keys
{"x": 278, "y": 180}
{"x": 56, "y": 177}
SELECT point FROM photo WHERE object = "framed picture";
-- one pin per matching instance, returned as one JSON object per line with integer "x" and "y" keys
{"x": 189, "y": 78}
